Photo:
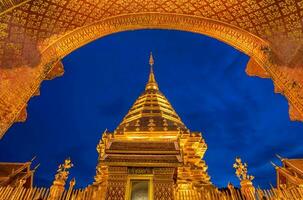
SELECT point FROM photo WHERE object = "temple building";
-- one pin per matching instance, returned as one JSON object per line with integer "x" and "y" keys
{"x": 290, "y": 174}
{"x": 151, "y": 153}
{"x": 16, "y": 174}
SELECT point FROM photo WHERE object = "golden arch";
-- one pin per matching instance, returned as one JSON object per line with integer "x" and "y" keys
{"x": 236, "y": 37}
{"x": 242, "y": 40}
{"x": 56, "y": 48}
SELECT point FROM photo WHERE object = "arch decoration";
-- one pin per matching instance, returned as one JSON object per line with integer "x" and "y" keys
{"x": 35, "y": 35}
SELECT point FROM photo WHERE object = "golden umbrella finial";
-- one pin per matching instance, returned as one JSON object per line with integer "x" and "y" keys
{"x": 151, "y": 59}
{"x": 151, "y": 84}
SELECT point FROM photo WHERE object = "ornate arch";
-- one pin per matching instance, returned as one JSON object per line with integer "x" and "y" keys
{"x": 21, "y": 83}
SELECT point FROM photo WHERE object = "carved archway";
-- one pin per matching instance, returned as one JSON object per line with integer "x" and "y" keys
{"x": 15, "y": 91}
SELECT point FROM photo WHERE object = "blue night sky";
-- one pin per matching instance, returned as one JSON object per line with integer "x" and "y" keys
{"x": 205, "y": 81}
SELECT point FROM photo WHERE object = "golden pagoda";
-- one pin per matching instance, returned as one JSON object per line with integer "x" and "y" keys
{"x": 151, "y": 154}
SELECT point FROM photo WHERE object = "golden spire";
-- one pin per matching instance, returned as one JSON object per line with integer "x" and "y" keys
{"x": 151, "y": 112}
{"x": 151, "y": 84}
{"x": 151, "y": 59}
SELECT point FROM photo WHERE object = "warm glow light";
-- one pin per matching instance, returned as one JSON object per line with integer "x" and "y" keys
{"x": 151, "y": 137}
{"x": 167, "y": 136}
{"x": 137, "y": 137}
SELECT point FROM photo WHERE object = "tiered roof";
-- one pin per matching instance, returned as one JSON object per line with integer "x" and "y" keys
{"x": 151, "y": 112}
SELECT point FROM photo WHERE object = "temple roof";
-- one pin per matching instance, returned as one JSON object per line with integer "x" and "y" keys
{"x": 151, "y": 112}
{"x": 12, "y": 173}
{"x": 295, "y": 164}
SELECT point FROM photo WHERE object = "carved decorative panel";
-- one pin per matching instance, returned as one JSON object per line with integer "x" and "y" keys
{"x": 163, "y": 190}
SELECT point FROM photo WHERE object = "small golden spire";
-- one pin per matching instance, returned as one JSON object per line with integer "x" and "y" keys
{"x": 151, "y": 84}
{"x": 151, "y": 59}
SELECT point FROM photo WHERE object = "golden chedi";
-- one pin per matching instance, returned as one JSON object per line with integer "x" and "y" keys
{"x": 151, "y": 153}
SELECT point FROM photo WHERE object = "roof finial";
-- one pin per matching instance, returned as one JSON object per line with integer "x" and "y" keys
{"x": 280, "y": 157}
{"x": 151, "y": 84}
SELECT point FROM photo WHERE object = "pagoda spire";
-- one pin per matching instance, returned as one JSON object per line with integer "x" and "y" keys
{"x": 151, "y": 112}
{"x": 151, "y": 84}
